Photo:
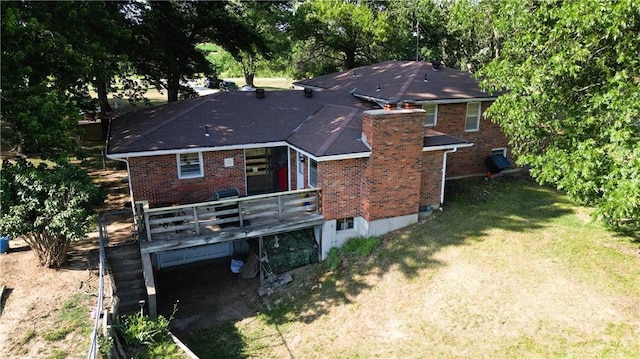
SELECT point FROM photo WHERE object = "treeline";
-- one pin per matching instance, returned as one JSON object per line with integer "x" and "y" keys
{"x": 569, "y": 71}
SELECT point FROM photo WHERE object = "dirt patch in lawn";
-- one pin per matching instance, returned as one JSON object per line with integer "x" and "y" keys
{"x": 34, "y": 297}
{"x": 32, "y": 323}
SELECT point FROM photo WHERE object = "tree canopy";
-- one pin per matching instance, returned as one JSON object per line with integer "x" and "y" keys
{"x": 47, "y": 206}
{"x": 571, "y": 106}
{"x": 345, "y": 34}
{"x": 167, "y": 33}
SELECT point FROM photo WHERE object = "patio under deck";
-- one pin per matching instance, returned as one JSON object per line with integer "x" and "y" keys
{"x": 185, "y": 226}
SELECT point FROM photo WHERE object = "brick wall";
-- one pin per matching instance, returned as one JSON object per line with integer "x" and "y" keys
{"x": 340, "y": 182}
{"x": 430, "y": 184}
{"x": 392, "y": 175}
{"x": 155, "y": 178}
{"x": 469, "y": 161}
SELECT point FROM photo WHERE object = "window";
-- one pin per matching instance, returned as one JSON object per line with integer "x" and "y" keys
{"x": 499, "y": 151}
{"x": 473, "y": 117}
{"x": 431, "y": 117}
{"x": 344, "y": 224}
{"x": 190, "y": 165}
{"x": 313, "y": 173}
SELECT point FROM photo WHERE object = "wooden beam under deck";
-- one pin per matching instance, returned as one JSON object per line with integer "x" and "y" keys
{"x": 230, "y": 234}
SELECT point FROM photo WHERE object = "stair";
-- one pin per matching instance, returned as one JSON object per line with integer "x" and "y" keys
{"x": 126, "y": 269}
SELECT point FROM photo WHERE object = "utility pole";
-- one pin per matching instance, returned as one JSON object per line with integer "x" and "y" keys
{"x": 417, "y": 34}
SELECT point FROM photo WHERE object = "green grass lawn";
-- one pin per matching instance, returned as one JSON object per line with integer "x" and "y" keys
{"x": 508, "y": 269}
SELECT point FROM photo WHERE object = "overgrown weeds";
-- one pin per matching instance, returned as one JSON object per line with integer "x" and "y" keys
{"x": 356, "y": 249}
{"x": 146, "y": 337}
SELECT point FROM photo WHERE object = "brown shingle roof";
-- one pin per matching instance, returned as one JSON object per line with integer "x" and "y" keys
{"x": 402, "y": 80}
{"x": 333, "y": 130}
{"x": 327, "y": 124}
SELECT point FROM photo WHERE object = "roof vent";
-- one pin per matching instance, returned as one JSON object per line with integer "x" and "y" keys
{"x": 354, "y": 73}
{"x": 308, "y": 92}
{"x": 436, "y": 65}
{"x": 206, "y": 131}
{"x": 378, "y": 89}
{"x": 425, "y": 77}
{"x": 260, "y": 93}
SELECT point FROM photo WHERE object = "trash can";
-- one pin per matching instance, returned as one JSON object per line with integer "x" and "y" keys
{"x": 4, "y": 244}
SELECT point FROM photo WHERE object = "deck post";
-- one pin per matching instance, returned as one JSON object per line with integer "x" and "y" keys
{"x": 260, "y": 260}
{"x": 280, "y": 207}
{"x": 195, "y": 220}
{"x": 145, "y": 208}
{"x": 240, "y": 214}
{"x": 149, "y": 283}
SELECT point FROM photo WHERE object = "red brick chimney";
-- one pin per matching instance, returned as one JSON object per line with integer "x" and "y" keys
{"x": 391, "y": 180}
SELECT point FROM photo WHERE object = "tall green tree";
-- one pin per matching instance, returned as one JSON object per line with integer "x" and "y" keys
{"x": 167, "y": 34}
{"x": 571, "y": 107}
{"x": 339, "y": 34}
{"x": 473, "y": 37}
{"x": 420, "y": 29}
{"x": 51, "y": 53}
{"x": 39, "y": 70}
{"x": 270, "y": 20}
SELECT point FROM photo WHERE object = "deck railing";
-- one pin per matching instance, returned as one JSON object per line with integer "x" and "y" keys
{"x": 207, "y": 217}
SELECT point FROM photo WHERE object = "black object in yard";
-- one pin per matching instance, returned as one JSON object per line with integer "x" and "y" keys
{"x": 496, "y": 164}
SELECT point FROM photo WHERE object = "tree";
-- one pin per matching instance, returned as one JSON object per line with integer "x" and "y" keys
{"x": 51, "y": 53}
{"x": 419, "y": 26}
{"x": 340, "y": 33}
{"x": 269, "y": 19}
{"x": 472, "y": 38}
{"x": 167, "y": 34}
{"x": 571, "y": 109}
{"x": 48, "y": 207}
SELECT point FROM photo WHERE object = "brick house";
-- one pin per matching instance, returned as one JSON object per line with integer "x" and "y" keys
{"x": 377, "y": 142}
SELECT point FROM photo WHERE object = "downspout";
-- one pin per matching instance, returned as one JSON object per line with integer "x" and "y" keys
{"x": 133, "y": 205}
{"x": 444, "y": 174}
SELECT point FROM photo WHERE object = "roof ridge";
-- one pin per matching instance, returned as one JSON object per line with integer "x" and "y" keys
{"x": 168, "y": 120}
{"x": 407, "y": 83}
{"x": 334, "y": 136}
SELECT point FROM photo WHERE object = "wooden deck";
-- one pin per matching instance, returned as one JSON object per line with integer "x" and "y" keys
{"x": 190, "y": 225}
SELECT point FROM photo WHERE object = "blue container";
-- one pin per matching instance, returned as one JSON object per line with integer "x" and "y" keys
{"x": 4, "y": 244}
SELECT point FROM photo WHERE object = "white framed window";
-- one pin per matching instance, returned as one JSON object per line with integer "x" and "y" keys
{"x": 499, "y": 151}
{"x": 473, "y": 117}
{"x": 313, "y": 173}
{"x": 190, "y": 165}
{"x": 431, "y": 117}
{"x": 343, "y": 224}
